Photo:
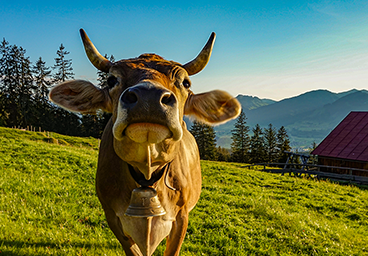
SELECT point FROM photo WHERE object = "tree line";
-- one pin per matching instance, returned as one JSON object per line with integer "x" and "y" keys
{"x": 24, "y": 88}
{"x": 267, "y": 145}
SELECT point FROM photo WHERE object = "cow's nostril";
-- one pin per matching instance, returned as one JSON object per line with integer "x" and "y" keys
{"x": 168, "y": 98}
{"x": 129, "y": 97}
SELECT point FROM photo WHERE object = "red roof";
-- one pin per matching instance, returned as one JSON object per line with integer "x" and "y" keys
{"x": 349, "y": 140}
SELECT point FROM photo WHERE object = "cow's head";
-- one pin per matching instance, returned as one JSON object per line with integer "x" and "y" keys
{"x": 148, "y": 97}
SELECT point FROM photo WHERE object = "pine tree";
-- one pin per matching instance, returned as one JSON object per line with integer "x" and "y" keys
{"x": 102, "y": 76}
{"x": 313, "y": 159}
{"x": 42, "y": 81}
{"x": 223, "y": 154}
{"x": 94, "y": 124}
{"x": 65, "y": 122}
{"x": 63, "y": 66}
{"x": 240, "y": 140}
{"x": 89, "y": 126}
{"x": 270, "y": 143}
{"x": 4, "y": 80}
{"x": 283, "y": 144}
{"x": 206, "y": 140}
{"x": 26, "y": 89}
{"x": 257, "y": 151}
{"x": 4, "y": 58}
{"x": 103, "y": 116}
{"x": 16, "y": 86}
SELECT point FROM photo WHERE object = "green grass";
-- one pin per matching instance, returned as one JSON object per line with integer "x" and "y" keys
{"x": 48, "y": 206}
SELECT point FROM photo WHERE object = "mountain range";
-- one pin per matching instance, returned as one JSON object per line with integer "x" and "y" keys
{"x": 308, "y": 117}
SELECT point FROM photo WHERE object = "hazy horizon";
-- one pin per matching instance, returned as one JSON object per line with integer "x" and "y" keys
{"x": 292, "y": 96}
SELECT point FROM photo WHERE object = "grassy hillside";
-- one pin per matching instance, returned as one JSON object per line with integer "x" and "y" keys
{"x": 48, "y": 206}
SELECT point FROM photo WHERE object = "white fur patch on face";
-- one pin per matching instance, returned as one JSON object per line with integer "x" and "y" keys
{"x": 120, "y": 123}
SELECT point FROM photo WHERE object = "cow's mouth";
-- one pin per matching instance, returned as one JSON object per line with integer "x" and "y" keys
{"x": 156, "y": 176}
{"x": 141, "y": 180}
{"x": 151, "y": 145}
{"x": 147, "y": 132}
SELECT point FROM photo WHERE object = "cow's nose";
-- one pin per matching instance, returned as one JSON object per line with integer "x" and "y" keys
{"x": 147, "y": 95}
{"x": 168, "y": 99}
{"x": 129, "y": 97}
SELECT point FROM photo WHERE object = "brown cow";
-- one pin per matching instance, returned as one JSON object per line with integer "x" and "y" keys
{"x": 147, "y": 139}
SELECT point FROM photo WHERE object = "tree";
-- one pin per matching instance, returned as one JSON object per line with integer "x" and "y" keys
{"x": 63, "y": 66}
{"x": 94, "y": 124}
{"x": 283, "y": 144}
{"x": 65, "y": 122}
{"x": 240, "y": 140}
{"x": 223, "y": 154}
{"x": 257, "y": 151}
{"x": 270, "y": 143}
{"x": 102, "y": 76}
{"x": 16, "y": 86}
{"x": 42, "y": 81}
{"x": 4, "y": 81}
{"x": 313, "y": 159}
{"x": 103, "y": 117}
{"x": 26, "y": 88}
{"x": 206, "y": 140}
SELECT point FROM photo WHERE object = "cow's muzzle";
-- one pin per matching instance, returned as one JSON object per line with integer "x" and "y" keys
{"x": 147, "y": 133}
{"x": 148, "y": 113}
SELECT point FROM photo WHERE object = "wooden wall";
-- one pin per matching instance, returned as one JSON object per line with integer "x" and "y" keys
{"x": 343, "y": 163}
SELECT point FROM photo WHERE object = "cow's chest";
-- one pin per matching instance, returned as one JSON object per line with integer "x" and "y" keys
{"x": 147, "y": 232}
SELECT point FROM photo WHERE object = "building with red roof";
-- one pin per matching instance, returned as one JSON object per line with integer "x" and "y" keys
{"x": 346, "y": 146}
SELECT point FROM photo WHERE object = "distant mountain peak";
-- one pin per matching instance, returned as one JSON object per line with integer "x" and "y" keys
{"x": 252, "y": 102}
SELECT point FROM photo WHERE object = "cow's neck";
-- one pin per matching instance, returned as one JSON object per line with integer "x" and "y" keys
{"x": 149, "y": 159}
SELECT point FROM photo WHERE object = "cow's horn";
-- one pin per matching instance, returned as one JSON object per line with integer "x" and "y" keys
{"x": 196, "y": 65}
{"x": 100, "y": 62}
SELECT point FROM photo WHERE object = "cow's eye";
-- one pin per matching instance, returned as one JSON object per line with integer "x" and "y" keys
{"x": 186, "y": 83}
{"x": 112, "y": 81}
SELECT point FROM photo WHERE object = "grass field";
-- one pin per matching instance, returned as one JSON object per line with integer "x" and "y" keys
{"x": 48, "y": 206}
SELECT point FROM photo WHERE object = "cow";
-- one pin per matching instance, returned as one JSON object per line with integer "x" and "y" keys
{"x": 146, "y": 142}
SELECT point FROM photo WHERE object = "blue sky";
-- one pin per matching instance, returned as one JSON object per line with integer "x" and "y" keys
{"x": 269, "y": 49}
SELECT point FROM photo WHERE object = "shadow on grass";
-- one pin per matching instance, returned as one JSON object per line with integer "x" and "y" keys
{"x": 347, "y": 183}
{"x": 25, "y": 244}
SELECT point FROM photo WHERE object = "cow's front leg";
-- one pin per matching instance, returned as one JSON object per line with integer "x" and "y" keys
{"x": 177, "y": 234}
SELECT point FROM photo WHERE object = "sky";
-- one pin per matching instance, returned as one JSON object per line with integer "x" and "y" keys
{"x": 269, "y": 49}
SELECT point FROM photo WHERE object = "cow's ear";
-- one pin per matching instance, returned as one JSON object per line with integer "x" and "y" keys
{"x": 80, "y": 96}
{"x": 215, "y": 107}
